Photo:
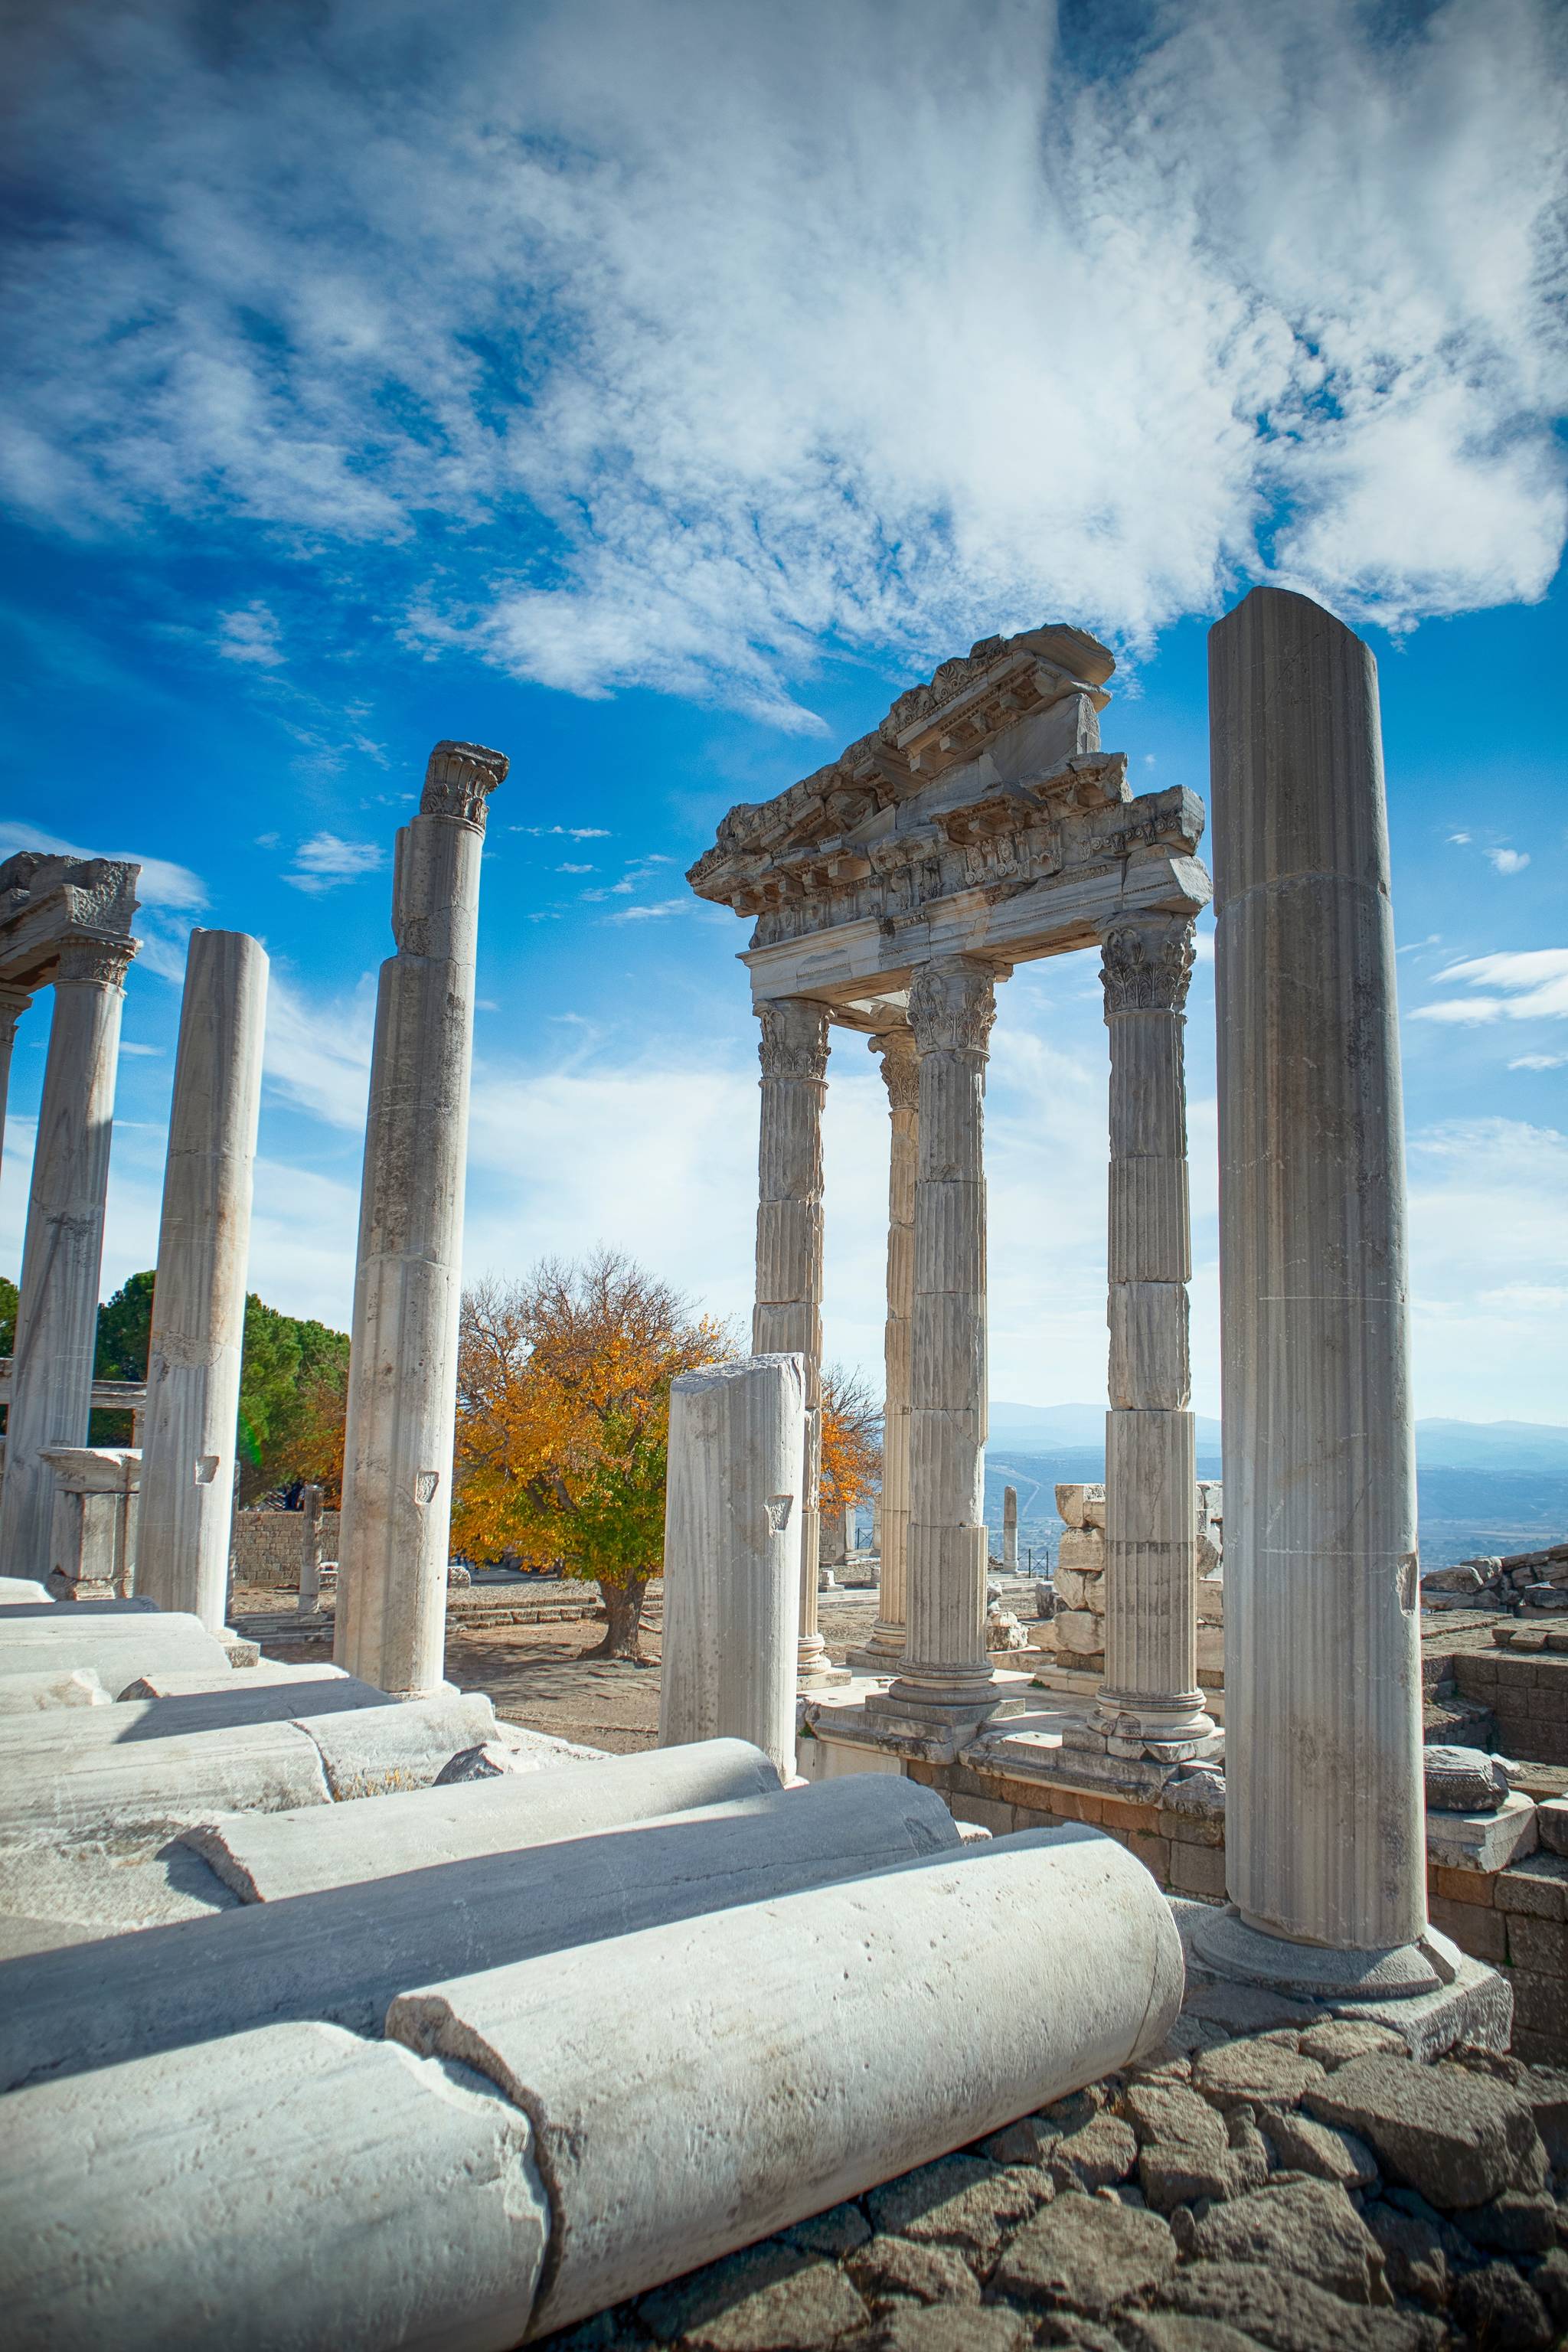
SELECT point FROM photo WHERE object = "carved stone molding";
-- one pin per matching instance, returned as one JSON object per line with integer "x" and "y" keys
{"x": 458, "y": 778}
{"x": 14, "y": 1002}
{"x": 793, "y": 1041}
{"x": 102, "y": 963}
{"x": 1145, "y": 966}
{"x": 896, "y": 1049}
{"x": 952, "y": 1007}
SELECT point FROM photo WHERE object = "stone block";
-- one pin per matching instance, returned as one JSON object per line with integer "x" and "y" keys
{"x": 1081, "y": 1507}
{"x": 1551, "y": 1824}
{"x": 1539, "y": 1944}
{"x": 1462, "y": 1779}
{"x": 1488, "y": 1841}
{"x": 1455, "y": 2136}
{"x": 1080, "y": 1631}
{"x": 1080, "y": 1589}
{"x": 1090, "y": 2254}
{"x": 1198, "y": 1870}
{"x": 1481, "y": 1933}
{"x": 1538, "y": 1887}
{"x": 1478, "y": 1886}
{"x": 1082, "y": 1548}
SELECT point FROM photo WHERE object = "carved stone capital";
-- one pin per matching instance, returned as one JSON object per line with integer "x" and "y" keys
{"x": 1145, "y": 965}
{"x": 458, "y": 780}
{"x": 102, "y": 963}
{"x": 900, "y": 1067}
{"x": 794, "y": 1042}
{"x": 952, "y": 1007}
{"x": 14, "y": 1002}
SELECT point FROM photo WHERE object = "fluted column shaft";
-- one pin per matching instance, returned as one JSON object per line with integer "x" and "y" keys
{"x": 402, "y": 1368}
{"x": 946, "y": 1674}
{"x": 14, "y": 1002}
{"x": 1323, "y": 1833}
{"x": 900, "y": 1071}
{"x": 786, "y": 1320}
{"x": 198, "y": 1303}
{"x": 62, "y": 1253}
{"x": 1150, "y": 1698}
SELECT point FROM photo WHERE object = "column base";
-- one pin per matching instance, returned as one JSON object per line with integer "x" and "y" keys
{"x": 1171, "y": 1727}
{"x": 883, "y": 1654}
{"x": 1429, "y": 1991}
{"x": 814, "y": 1669}
{"x": 948, "y": 1702}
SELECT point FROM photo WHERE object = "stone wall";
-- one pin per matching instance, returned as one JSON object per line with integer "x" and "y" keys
{"x": 1528, "y": 1584}
{"x": 1076, "y": 1632}
{"x": 268, "y": 1546}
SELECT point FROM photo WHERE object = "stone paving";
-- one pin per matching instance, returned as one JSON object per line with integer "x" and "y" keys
{"x": 1261, "y": 2181}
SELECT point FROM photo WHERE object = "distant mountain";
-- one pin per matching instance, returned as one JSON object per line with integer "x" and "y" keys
{"x": 1466, "y": 1509}
{"x": 1491, "y": 1445}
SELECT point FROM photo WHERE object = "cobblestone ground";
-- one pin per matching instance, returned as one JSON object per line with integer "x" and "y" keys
{"x": 1292, "y": 2186}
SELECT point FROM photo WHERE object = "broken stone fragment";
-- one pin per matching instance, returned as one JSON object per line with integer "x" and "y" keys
{"x": 1463, "y": 1780}
{"x": 1459, "y": 2138}
{"x": 1089, "y": 2252}
{"x": 1307, "y": 2226}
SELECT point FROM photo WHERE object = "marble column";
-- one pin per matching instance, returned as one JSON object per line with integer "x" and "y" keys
{"x": 1010, "y": 1529}
{"x": 62, "y": 1252}
{"x": 786, "y": 1320}
{"x": 1150, "y": 1703}
{"x": 895, "y": 1048}
{"x": 310, "y": 1552}
{"x": 946, "y": 1679}
{"x": 198, "y": 1303}
{"x": 1324, "y": 1840}
{"x": 14, "y": 1002}
{"x": 391, "y": 1617}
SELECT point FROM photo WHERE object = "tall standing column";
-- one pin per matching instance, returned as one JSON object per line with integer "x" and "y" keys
{"x": 1010, "y": 1529}
{"x": 402, "y": 1369}
{"x": 946, "y": 1678}
{"x": 62, "y": 1252}
{"x": 198, "y": 1301}
{"x": 1149, "y": 1702}
{"x": 786, "y": 1320}
{"x": 1323, "y": 1833}
{"x": 14, "y": 1002}
{"x": 895, "y": 1048}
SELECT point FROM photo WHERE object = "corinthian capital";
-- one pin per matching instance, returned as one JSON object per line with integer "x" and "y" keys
{"x": 1146, "y": 964}
{"x": 14, "y": 1002}
{"x": 102, "y": 963}
{"x": 794, "y": 1043}
{"x": 458, "y": 778}
{"x": 952, "y": 1007}
{"x": 895, "y": 1048}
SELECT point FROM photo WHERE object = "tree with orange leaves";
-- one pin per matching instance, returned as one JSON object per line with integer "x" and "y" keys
{"x": 563, "y": 1384}
{"x": 851, "y": 1441}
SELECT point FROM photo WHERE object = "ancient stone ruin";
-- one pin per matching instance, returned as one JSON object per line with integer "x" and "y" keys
{"x": 1142, "y": 1973}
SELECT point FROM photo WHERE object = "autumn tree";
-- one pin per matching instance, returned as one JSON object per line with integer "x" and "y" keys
{"x": 851, "y": 1441}
{"x": 564, "y": 1380}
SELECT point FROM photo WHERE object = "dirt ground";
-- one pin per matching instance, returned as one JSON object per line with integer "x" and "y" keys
{"x": 538, "y": 1675}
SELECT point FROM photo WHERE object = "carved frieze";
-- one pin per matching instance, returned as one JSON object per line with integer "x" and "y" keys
{"x": 1145, "y": 966}
{"x": 458, "y": 781}
{"x": 102, "y": 963}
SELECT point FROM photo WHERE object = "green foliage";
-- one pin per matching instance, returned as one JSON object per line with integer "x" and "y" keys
{"x": 616, "y": 1531}
{"x": 125, "y": 1331}
{"x": 9, "y": 1296}
{"x": 290, "y": 1366}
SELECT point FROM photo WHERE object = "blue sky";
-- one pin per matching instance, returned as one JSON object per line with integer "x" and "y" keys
{"x": 653, "y": 393}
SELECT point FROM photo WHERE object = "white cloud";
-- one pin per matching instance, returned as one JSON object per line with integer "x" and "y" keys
{"x": 250, "y": 635}
{"x": 649, "y": 914}
{"x": 1540, "y": 1062}
{"x": 317, "y": 1055}
{"x": 1535, "y": 979}
{"x": 1509, "y": 861}
{"x": 128, "y": 1046}
{"x": 325, "y": 862}
{"x": 161, "y": 883}
{"x": 876, "y": 325}
{"x": 570, "y": 832}
{"x": 575, "y": 870}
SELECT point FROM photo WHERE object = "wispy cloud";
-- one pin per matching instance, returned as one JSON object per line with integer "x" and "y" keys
{"x": 250, "y": 635}
{"x": 651, "y": 914}
{"x": 1540, "y": 1062}
{"x": 762, "y": 330}
{"x": 1509, "y": 861}
{"x": 1534, "y": 982}
{"x": 325, "y": 862}
{"x": 568, "y": 831}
